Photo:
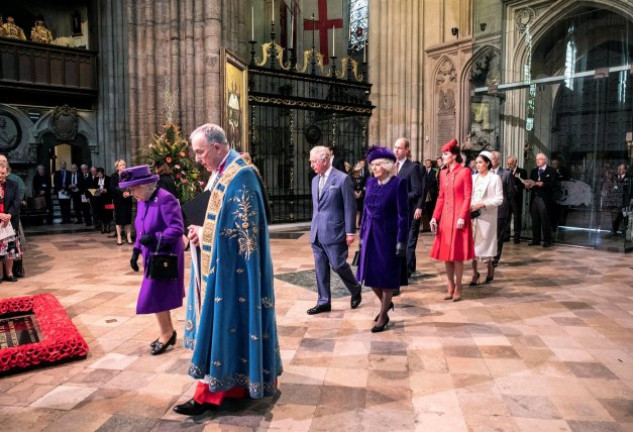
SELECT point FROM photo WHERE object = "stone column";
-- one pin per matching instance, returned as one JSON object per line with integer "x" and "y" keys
{"x": 176, "y": 44}
{"x": 400, "y": 36}
{"x": 113, "y": 123}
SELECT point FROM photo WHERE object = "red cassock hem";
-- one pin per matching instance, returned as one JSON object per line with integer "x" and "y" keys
{"x": 205, "y": 396}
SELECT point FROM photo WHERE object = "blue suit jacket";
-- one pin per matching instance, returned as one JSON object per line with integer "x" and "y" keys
{"x": 334, "y": 214}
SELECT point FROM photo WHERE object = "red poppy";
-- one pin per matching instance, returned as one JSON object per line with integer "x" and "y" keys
{"x": 168, "y": 159}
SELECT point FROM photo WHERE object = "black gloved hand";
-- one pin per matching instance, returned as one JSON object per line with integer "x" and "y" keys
{"x": 134, "y": 259}
{"x": 146, "y": 239}
{"x": 401, "y": 250}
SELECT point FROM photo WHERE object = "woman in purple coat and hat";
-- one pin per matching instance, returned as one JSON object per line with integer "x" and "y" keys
{"x": 159, "y": 228}
{"x": 383, "y": 232}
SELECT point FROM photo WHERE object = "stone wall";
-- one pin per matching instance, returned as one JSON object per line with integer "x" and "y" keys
{"x": 150, "y": 46}
{"x": 401, "y": 34}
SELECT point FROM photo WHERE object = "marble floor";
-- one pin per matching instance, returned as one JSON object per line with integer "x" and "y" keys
{"x": 547, "y": 346}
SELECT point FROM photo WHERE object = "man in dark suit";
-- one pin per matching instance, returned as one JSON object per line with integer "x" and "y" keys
{"x": 336, "y": 160}
{"x": 430, "y": 188}
{"x": 93, "y": 183}
{"x": 42, "y": 188}
{"x": 410, "y": 171}
{"x": 61, "y": 181}
{"x": 516, "y": 204}
{"x": 77, "y": 189}
{"x": 503, "y": 211}
{"x": 85, "y": 198}
{"x": 541, "y": 184}
{"x": 332, "y": 229}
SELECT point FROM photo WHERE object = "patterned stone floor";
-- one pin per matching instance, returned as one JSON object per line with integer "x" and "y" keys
{"x": 546, "y": 347}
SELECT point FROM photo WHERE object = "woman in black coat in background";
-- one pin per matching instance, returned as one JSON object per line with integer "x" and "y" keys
{"x": 122, "y": 200}
{"x": 103, "y": 200}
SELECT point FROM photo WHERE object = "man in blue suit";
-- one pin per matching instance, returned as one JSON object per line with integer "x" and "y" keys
{"x": 332, "y": 230}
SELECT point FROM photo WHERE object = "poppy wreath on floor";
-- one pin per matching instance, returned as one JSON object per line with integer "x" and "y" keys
{"x": 57, "y": 340}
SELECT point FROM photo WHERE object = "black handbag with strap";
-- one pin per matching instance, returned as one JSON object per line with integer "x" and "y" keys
{"x": 162, "y": 266}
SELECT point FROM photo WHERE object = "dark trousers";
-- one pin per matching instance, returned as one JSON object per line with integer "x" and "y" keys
{"x": 49, "y": 208}
{"x": 412, "y": 243}
{"x": 516, "y": 212}
{"x": 617, "y": 220}
{"x": 540, "y": 221}
{"x": 76, "y": 198}
{"x": 87, "y": 211}
{"x": 334, "y": 256}
{"x": 64, "y": 205}
{"x": 502, "y": 226}
{"x": 429, "y": 207}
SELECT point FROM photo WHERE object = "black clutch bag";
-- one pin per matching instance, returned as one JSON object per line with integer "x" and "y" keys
{"x": 162, "y": 266}
{"x": 475, "y": 214}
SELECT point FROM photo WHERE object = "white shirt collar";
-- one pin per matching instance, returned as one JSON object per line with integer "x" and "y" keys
{"x": 326, "y": 174}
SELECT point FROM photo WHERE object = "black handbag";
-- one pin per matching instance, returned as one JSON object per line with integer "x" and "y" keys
{"x": 162, "y": 266}
{"x": 475, "y": 214}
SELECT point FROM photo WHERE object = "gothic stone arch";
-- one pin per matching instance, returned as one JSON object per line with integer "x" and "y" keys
{"x": 539, "y": 18}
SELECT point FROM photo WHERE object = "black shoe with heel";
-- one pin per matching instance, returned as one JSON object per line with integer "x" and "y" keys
{"x": 378, "y": 329}
{"x": 159, "y": 347}
{"x": 390, "y": 307}
{"x": 475, "y": 280}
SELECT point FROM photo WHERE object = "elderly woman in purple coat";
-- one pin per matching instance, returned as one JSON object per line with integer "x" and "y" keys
{"x": 383, "y": 232}
{"x": 159, "y": 227}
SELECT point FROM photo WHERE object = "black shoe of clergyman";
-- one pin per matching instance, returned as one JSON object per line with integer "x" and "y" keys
{"x": 355, "y": 302}
{"x": 192, "y": 408}
{"x": 547, "y": 244}
{"x": 327, "y": 307}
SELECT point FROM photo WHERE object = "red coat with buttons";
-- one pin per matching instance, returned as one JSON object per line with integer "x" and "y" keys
{"x": 452, "y": 244}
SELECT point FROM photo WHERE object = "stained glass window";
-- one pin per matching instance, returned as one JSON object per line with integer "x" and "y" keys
{"x": 358, "y": 24}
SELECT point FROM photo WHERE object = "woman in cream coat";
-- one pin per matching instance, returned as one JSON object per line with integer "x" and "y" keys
{"x": 487, "y": 196}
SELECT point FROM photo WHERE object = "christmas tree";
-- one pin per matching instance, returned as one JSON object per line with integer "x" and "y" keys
{"x": 170, "y": 148}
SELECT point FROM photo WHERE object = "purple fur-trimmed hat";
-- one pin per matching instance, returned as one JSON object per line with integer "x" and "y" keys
{"x": 137, "y": 175}
{"x": 378, "y": 152}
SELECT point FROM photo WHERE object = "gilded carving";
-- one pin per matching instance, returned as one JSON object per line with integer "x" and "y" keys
{"x": 307, "y": 104}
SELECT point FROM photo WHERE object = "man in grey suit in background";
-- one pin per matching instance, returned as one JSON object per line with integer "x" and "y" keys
{"x": 503, "y": 211}
{"x": 332, "y": 229}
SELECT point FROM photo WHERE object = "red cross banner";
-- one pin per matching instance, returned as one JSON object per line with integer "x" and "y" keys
{"x": 328, "y": 25}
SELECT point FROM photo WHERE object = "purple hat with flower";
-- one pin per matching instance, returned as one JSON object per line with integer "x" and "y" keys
{"x": 136, "y": 176}
{"x": 378, "y": 152}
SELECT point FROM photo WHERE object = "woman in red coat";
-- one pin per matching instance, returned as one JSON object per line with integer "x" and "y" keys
{"x": 451, "y": 219}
